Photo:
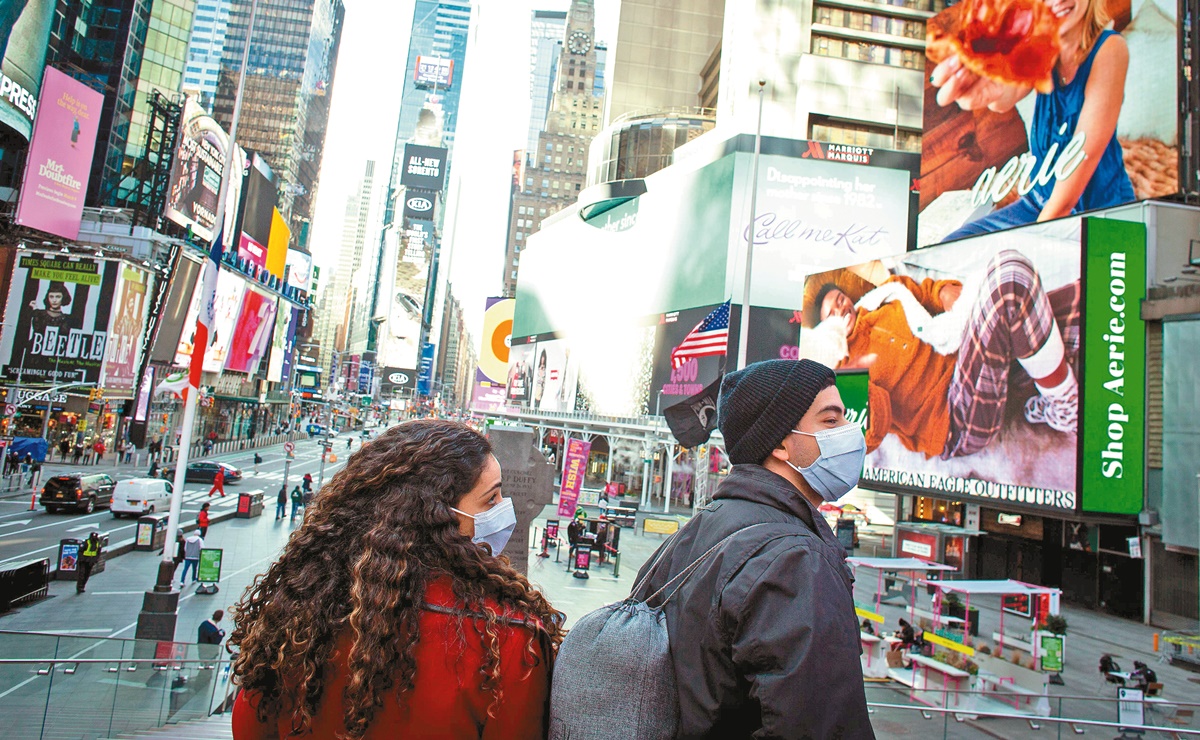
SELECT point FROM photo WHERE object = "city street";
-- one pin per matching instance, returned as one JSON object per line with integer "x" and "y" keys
{"x": 26, "y": 534}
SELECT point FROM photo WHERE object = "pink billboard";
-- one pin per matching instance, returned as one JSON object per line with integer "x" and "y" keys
{"x": 60, "y": 156}
{"x": 252, "y": 337}
{"x": 574, "y": 468}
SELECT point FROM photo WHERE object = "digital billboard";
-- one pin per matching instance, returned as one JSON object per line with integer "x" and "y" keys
{"x": 434, "y": 72}
{"x": 497, "y": 335}
{"x": 299, "y": 269}
{"x": 59, "y": 309}
{"x": 277, "y": 244}
{"x": 675, "y": 252}
{"x": 184, "y": 302}
{"x": 125, "y": 329}
{"x": 24, "y": 35}
{"x": 257, "y": 210}
{"x": 975, "y": 362}
{"x": 253, "y": 332}
{"x": 60, "y": 156}
{"x": 424, "y": 167}
{"x": 196, "y": 173}
{"x": 228, "y": 304}
{"x": 1014, "y": 133}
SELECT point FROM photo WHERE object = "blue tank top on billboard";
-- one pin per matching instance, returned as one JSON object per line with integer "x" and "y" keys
{"x": 1055, "y": 117}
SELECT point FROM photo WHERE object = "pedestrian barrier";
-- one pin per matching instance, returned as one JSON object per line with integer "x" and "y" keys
{"x": 21, "y": 583}
{"x": 70, "y": 551}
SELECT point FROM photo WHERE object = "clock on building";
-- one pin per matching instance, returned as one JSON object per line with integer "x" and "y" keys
{"x": 579, "y": 42}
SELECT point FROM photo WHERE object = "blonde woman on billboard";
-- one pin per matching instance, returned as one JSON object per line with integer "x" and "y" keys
{"x": 1077, "y": 160}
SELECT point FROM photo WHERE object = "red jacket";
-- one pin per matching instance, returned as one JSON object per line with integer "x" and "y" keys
{"x": 446, "y": 701}
{"x": 202, "y": 519}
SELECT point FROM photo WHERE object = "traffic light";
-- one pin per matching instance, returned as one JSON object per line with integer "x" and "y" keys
{"x": 95, "y": 394}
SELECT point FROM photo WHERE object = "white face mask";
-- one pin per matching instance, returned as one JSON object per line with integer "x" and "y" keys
{"x": 494, "y": 526}
{"x": 837, "y": 470}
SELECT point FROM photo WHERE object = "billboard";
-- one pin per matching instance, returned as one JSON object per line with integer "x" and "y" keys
{"x": 56, "y": 319}
{"x": 287, "y": 361}
{"x": 497, "y": 334}
{"x": 418, "y": 205}
{"x": 60, "y": 156}
{"x": 996, "y": 155}
{"x": 277, "y": 244}
{"x": 196, "y": 172}
{"x": 395, "y": 380}
{"x": 187, "y": 291}
{"x": 435, "y": 72}
{"x": 424, "y": 167}
{"x": 253, "y": 332}
{"x": 228, "y": 304}
{"x": 257, "y": 210}
{"x": 125, "y": 329}
{"x": 299, "y": 269}
{"x": 278, "y": 341}
{"x": 973, "y": 359}
{"x": 24, "y": 36}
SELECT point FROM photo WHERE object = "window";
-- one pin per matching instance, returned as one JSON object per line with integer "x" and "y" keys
{"x": 521, "y": 210}
{"x": 541, "y": 211}
{"x": 570, "y": 84}
{"x": 856, "y": 133}
{"x": 520, "y": 235}
{"x": 558, "y": 148}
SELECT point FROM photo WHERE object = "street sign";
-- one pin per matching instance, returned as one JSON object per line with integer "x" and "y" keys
{"x": 10, "y": 409}
{"x": 289, "y": 447}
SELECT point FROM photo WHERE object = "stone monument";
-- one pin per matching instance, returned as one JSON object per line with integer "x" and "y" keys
{"x": 528, "y": 479}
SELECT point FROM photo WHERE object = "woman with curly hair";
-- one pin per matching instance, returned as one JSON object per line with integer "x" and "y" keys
{"x": 388, "y": 615}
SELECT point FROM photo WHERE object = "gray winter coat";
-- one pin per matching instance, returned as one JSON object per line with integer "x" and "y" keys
{"x": 764, "y": 637}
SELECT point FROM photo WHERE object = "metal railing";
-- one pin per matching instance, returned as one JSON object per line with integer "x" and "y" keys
{"x": 76, "y": 686}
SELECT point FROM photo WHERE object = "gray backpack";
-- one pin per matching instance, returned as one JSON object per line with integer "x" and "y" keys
{"x": 611, "y": 649}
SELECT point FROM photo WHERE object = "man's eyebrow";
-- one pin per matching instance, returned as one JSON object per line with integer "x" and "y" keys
{"x": 832, "y": 407}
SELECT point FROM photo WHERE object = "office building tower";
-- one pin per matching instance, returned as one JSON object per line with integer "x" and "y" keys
{"x": 553, "y": 172}
{"x": 546, "y": 37}
{"x": 205, "y": 47}
{"x": 288, "y": 93}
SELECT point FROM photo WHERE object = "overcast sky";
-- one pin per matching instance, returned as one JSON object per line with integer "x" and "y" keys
{"x": 493, "y": 120}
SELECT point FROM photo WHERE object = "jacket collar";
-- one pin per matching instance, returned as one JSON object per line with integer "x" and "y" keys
{"x": 755, "y": 483}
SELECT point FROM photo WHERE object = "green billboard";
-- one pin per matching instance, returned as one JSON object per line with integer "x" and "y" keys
{"x": 210, "y": 565}
{"x": 1112, "y": 397}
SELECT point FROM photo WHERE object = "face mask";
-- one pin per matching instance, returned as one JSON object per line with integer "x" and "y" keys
{"x": 495, "y": 525}
{"x": 837, "y": 470}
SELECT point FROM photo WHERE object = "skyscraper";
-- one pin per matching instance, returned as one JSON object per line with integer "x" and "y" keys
{"x": 288, "y": 92}
{"x": 205, "y": 47}
{"x": 408, "y": 251}
{"x": 555, "y": 169}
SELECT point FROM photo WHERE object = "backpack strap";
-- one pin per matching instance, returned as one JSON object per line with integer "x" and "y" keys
{"x": 687, "y": 572}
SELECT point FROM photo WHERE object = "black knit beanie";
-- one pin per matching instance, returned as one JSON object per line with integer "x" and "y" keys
{"x": 761, "y": 403}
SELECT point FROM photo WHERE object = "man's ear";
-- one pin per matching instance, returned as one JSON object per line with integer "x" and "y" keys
{"x": 779, "y": 453}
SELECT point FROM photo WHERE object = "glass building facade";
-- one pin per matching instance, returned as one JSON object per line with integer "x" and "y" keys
{"x": 288, "y": 92}
{"x": 205, "y": 47}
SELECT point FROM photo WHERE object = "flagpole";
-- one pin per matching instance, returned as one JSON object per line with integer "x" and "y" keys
{"x": 744, "y": 324}
{"x": 191, "y": 395}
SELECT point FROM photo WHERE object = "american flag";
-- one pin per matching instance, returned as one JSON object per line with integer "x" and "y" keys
{"x": 208, "y": 309}
{"x": 710, "y": 337}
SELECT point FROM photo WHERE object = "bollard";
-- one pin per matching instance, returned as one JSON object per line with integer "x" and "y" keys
{"x": 1156, "y": 642}
{"x": 33, "y": 501}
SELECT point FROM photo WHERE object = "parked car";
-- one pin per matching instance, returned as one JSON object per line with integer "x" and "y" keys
{"x": 204, "y": 471}
{"x": 318, "y": 430}
{"x": 78, "y": 491}
{"x": 139, "y": 496}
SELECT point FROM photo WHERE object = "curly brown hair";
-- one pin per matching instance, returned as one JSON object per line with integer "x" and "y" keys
{"x": 376, "y": 535}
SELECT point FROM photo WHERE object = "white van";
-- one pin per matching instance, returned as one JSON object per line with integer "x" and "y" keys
{"x": 139, "y": 496}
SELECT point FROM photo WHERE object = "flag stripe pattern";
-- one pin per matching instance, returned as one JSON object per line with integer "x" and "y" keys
{"x": 710, "y": 337}
{"x": 208, "y": 309}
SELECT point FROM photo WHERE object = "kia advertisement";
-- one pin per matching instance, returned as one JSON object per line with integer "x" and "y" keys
{"x": 1010, "y": 138}
{"x": 60, "y": 156}
{"x": 423, "y": 167}
{"x": 418, "y": 205}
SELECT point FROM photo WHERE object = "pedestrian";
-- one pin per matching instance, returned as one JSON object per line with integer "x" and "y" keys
{"x": 257, "y": 462}
{"x": 87, "y": 560}
{"x": 208, "y": 446}
{"x": 202, "y": 520}
{"x": 764, "y": 632}
{"x": 297, "y": 501}
{"x": 77, "y": 453}
{"x": 130, "y": 452}
{"x": 192, "y": 545}
{"x": 308, "y": 483}
{"x": 281, "y": 503}
{"x": 210, "y": 632}
{"x": 349, "y": 442}
{"x": 26, "y": 463}
{"x": 153, "y": 469}
{"x": 99, "y": 449}
{"x": 334, "y": 611}
{"x": 64, "y": 449}
{"x": 218, "y": 482}
{"x": 35, "y": 472}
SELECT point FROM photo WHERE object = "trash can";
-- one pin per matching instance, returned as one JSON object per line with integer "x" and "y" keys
{"x": 250, "y": 505}
{"x": 151, "y": 533}
{"x": 69, "y": 553}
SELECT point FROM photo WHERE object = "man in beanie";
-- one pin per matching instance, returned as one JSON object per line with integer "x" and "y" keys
{"x": 764, "y": 637}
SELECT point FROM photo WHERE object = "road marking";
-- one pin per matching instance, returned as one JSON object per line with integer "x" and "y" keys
{"x": 112, "y": 593}
{"x": 82, "y": 527}
{"x": 54, "y": 524}
{"x": 95, "y": 630}
{"x": 20, "y": 523}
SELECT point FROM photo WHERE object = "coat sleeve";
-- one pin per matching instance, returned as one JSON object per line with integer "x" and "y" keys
{"x": 928, "y": 292}
{"x": 796, "y": 631}
{"x": 525, "y": 690}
